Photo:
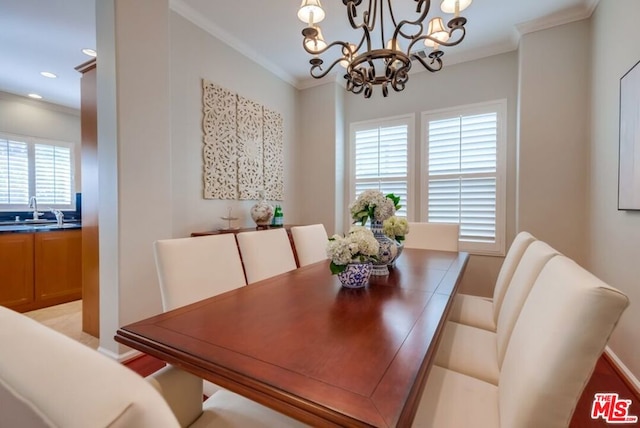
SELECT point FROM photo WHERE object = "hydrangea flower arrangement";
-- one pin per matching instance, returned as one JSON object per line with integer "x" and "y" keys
{"x": 395, "y": 228}
{"x": 357, "y": 246}
{"x": 374, "y": 205}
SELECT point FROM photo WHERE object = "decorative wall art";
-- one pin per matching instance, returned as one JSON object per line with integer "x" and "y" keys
{"x": 629, "y": 162}
{"x": 243, "y": 147}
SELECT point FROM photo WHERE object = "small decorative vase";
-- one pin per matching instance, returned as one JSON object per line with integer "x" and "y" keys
{"x": 400, "y": 246}
{"x": 261, "y": 212}
{"x": 387, "y": 252}
{"x": 355, "y": 275}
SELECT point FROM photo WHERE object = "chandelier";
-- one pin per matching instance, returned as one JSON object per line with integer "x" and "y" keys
{"x": 388, "y": 63}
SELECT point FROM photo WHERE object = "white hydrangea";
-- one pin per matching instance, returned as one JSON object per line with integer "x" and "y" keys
{"x": 358, "y": 245}
{"x": 395, "y": 227}
{"x": 372, "y": 204}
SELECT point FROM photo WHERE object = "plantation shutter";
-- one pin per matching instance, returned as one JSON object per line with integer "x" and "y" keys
{"x": 14, "y": 172}
{"x": 53, "y": 174}
{"x": 381, "y": 154}
{"x": 462, "y": 174}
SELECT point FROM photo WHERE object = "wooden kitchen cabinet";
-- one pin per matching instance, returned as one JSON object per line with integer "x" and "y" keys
{"x": 40, "y": 269}
{"x": 16, "y": 270}
{"x": 58, "y": 267}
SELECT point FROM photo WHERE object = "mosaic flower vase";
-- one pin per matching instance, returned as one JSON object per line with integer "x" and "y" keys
{"x": 355, "y": 275}
{"x": 387, "y": 252}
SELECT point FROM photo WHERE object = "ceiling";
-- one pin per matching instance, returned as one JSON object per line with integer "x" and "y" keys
{"x": 38, "y": 35}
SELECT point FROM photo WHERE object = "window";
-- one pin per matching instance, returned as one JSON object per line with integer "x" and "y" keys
{"x": 33, "y": 167}
{"x": 380, "y": 151}
{"x": 464, "y": 173}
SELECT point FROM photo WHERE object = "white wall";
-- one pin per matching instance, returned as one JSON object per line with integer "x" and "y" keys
{"x": 32, "y": 118}
{"x": 615, "y": 235}
{"x": 134, "y": 158}
{"x": 320, "y": 157}
{"x": 554, "y": 137}
{"x": 195, "y": 55}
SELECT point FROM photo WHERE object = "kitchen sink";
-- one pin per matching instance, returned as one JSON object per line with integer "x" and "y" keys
{"x": 21, "y": 227}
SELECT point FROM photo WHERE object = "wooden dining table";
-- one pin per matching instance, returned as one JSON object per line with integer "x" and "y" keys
{"x": 305, "y": 346}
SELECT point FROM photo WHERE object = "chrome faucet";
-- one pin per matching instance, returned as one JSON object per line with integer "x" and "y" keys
{"x": 59, "y": 216}
{"x": 33, "y": 203}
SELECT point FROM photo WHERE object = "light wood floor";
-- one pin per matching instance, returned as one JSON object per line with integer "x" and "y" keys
{"x": 67, "y": 319}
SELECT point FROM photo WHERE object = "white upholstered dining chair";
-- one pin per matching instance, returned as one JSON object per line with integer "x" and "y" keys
{"x": 432, "y": 236}
{"x": 561, "y": 332}
{"x": 265, "y": 253}
{"x": 196, "y": 268}
{"x": 310, "y": 242}
{"x": 478, "y": 352}
{"x": 483, "y": 312}
{"x": 193, "y": 269}
{"x": 48, "y": 379}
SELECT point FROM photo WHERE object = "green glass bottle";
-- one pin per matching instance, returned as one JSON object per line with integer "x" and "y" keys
{"x": 278, "y": 218}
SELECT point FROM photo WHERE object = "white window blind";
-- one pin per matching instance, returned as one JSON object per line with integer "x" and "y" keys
{"x": 14, "y": 172}
{"x": 33, "y": 167}
{"x": 53, "y": 174}
{"x": 380, "y": 158}
{"x": 464, "y": 175}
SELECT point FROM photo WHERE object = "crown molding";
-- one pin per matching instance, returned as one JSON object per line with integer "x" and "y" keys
{"x": 39, "y": 103}
{"x": 577, "y": 13}
{"x": 200, "y": 21}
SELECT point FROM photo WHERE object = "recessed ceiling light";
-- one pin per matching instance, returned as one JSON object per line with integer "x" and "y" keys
{"x": 48, "y": 74}
{"x": 90, "y": 52}
{"x": 36, "y": 96}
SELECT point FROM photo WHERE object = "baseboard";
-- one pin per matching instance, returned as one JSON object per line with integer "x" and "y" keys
{"x": 121, "y": 358}
{"x": 623, "y": 371}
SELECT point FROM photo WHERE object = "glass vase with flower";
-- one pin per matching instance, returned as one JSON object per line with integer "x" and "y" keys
{"x": 352, "y": 256}
{"x": 375, "y": 207}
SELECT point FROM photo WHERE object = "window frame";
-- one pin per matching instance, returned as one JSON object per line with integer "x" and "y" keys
{"x": 500, "y": 108}
{"x": 409, "y": 121}
{"x": 31, "y": 143}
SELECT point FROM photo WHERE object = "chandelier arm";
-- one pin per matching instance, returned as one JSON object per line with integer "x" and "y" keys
{"x": 441, "y": 43}
{"x": 316, "y": 69}
{"x": 352, "y": 13}
{"x": 419, "y": 29}
{"x": 436, "y": 59}
{"x": 382, "y": 43}
{"x": 329, "y": 46}
{"x": 416, "y": 22}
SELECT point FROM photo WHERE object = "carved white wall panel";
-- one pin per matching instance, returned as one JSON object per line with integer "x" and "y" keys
{"x": 243, "y": 147}
{"x": 273, "y": 155}
{"x": 250, "y": 149}
{"x": 219, "y": 151}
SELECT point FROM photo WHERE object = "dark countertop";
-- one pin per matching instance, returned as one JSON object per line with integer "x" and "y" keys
{"x": 34, "y": 228}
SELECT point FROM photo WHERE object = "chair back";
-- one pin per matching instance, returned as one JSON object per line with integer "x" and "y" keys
{"x": 560, "y": 334}
{"x": 48, "y": 379}
{"x": 265, "y": 253}
{"x": 192, "y": 269}
{"x": 535, "y": 257}
{"x": 520, "y": 243}
{"x": 432, "y": 236}
{"x": 310, "y": 242}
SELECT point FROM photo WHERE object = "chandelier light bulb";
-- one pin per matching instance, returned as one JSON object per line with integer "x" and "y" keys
{"x": 437, "y": 31}
{"x": 454, "y": 6}
{"x": 311, "y": 12}
{"x": 348, "y": 55}
{"x": 316, "y": 44}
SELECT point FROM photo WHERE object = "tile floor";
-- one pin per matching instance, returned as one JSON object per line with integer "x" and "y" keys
{"x": 67, "y": 319}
